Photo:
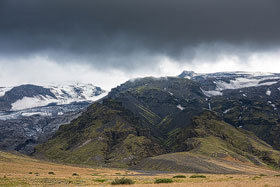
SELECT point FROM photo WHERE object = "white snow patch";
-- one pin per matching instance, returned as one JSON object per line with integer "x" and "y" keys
{"x": 99, "y": 96}
{"x": 268, "y": 92}
{"x": 244, "y": 95}
{"x": 69, "y": 93}
{"x": 274, "y": 106}
{"x": 170, "y": 93}
{"x": 9, "y": 116}
{"x": 211, "y": 92}
{"x": 257, "y": 74}
{"x": 187, "y": 77}
{"x": 180, "y": 107}
{"x": 31, "y": 102}
{"x": 241, "y": 82}
{"x": 36, "y": 113}
{"x": 209, "y": 106}
{"x": 4, "y": 90}
{"x": 60, "y": 113}
{"x": 227, "y": 110}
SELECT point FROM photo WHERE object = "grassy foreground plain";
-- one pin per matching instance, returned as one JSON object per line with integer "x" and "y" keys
{"x": 19, "y": 170}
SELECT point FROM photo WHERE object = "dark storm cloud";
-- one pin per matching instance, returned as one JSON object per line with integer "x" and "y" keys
{"x": 123, "y": 32}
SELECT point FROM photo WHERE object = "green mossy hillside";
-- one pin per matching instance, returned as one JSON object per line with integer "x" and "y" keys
{"x": 149, "y": 117}
{"x": 101, "y": 136}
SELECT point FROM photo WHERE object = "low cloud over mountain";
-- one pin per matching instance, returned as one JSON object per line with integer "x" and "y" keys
{"x": 134, "y": 38}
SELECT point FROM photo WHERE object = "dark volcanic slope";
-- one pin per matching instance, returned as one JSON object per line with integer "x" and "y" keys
{"x": 149, "y": 117}
{"x": 247, "y": 100}
{"x": 22, "y": 134}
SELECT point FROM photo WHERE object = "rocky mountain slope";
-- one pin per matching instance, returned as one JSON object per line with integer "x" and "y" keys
{"x": 250, "y": 101}
{"x": 145, "y": 118}
{"x": 30, "y": 114}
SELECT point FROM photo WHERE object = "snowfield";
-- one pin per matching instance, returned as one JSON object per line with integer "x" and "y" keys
{"x": 32, "y": 102}
{"x": 63, "y": 94}
{"x": 211, "y": 92}
{"x": 239, "y": 83}
{"x": 232, "y": 80}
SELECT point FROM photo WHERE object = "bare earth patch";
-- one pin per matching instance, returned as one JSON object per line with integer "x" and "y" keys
{"x": 18, "y": 170}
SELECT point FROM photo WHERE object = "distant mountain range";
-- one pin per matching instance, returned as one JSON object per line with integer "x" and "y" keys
{"x": 31, "y": 96}
{"x": 30, "y": 114}
{"x": 190, "y": 123}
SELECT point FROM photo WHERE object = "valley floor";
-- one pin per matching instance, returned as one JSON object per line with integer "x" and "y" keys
{"x": 18, "y": 170}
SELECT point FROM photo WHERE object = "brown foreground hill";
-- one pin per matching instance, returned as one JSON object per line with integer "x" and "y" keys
{"x": 19, "y": 170}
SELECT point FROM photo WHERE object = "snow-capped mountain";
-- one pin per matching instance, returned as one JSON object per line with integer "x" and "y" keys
{"x": 30, "y": 114}
{"x": 214, "y": 84}
{"x": 31, "y": 96}
{"x": 176, "y": 115}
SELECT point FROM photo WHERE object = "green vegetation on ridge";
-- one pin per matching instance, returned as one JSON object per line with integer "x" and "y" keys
{"x": 141, "y": 126}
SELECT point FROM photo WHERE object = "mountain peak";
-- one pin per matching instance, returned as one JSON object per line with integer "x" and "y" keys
{"x": 187, "y": 74}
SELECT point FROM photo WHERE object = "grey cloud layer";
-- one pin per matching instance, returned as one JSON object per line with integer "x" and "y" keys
{"x": 119, "y": 32}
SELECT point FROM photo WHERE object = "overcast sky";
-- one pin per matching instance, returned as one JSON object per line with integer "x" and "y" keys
{"x": 106, "y": 42}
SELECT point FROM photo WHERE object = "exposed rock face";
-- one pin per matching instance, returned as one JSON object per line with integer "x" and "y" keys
{"x": 250, "y": 101}
{"x": 31, "y": 114}
{"x": 23, "y": 133}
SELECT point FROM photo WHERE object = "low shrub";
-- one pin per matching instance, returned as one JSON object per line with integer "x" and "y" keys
{"x": 122, "y": 181}
{"x": 263, "y": 175}
{"x": 157, "y": 181}
{"x": 179, "y": 176}
{"x": 100, "y": 180}
{"x": 256, "y": 177}
{"x": 51, "y": 173}
{"x": 75, "y": 174}
{"x": 198, "y": 176}
{"x": 30, "y": 172}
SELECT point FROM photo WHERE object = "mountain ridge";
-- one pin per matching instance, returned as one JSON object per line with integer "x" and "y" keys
{"x": 171, "y": 115}
{"x": 31, "y": 114}
{"x": 30, "y": 96}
